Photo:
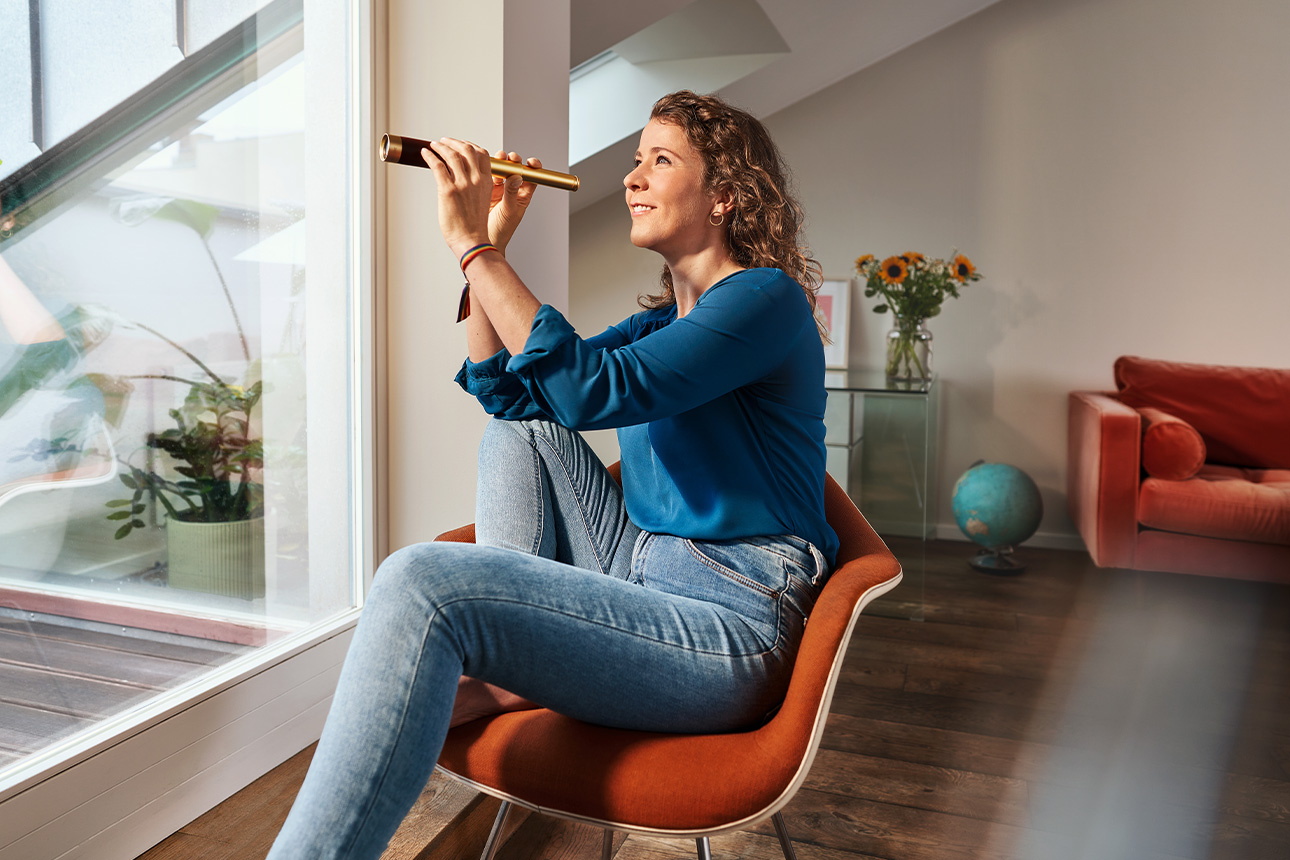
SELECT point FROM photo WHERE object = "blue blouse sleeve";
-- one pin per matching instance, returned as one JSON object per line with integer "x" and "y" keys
{"x": 501, "y": 392}
{"x": 736, "y": 333}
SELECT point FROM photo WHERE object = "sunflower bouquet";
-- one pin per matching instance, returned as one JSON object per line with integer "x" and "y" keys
{"x": 913, "y": 287}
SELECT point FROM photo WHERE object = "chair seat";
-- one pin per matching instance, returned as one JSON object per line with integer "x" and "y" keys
{"x": 682, "y": 784}
{"x": 652, "y": 782}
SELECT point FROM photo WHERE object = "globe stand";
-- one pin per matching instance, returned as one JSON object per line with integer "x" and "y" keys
{"x": 997, "y": 561}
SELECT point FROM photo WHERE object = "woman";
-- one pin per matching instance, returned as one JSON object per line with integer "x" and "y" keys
{"x": 677, "y": 607}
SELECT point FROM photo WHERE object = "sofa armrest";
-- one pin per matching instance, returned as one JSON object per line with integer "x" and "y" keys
{"x": 1103, "y": 446}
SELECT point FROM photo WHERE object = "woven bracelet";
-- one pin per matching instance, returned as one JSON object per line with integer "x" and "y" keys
{"x": 463, "y": 306}
{"x": 475, "y": 252}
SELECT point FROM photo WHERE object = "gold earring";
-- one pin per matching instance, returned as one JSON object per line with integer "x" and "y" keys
{"x": 721, "y": 219}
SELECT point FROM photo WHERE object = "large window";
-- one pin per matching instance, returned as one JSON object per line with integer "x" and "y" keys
{"x": 177, "y": 388}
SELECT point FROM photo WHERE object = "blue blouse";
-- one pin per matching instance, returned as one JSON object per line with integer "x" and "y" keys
{"x": 720, "y": 414}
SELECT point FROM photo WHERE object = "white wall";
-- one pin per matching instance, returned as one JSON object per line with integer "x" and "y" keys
{"x": 503, "y": 82}
{"x": 1118, "y": 169}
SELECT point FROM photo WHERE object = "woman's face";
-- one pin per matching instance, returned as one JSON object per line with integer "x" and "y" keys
{"x": 665, "y": 194}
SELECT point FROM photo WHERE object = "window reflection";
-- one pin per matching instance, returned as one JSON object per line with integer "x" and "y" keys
{"x": 51, "y": 412}
{"x": 155, "y": 373}
{"x": 154, "y": 369}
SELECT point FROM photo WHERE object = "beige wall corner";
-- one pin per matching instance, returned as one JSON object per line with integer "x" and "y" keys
{"x": 495, "y": 72}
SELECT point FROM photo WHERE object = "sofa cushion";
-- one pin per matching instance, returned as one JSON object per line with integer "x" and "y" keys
{"x": 1242, "y": 413}
{"x": 1221, "y": 502}
{"x": 1171, "y": 448}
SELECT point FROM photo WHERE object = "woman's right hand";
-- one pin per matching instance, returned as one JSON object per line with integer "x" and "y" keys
{"x": 510, "y": 200}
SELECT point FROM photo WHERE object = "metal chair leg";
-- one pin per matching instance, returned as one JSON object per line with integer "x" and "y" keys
{"x": 705, "y": 850}
{"x": 607, "y": 847}
{"x": 781, "y": 830}
{"x": 495, "y": 837}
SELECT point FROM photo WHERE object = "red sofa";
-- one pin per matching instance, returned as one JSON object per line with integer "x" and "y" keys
{"x": 1184, "y": 468}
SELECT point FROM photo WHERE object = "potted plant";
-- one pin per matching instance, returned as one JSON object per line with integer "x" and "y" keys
{"x": 913, "y": 288}
{"x": 205, "y": 472}
{"x": 215, "y": 507}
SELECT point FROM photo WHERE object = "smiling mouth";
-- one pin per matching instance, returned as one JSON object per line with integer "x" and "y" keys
{"x": 641, "y": 209}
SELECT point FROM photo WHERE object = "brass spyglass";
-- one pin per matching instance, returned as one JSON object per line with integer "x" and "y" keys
{"x": 407, "y": 150}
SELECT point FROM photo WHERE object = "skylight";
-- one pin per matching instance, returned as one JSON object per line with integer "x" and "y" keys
{"x": 703, "y": 47}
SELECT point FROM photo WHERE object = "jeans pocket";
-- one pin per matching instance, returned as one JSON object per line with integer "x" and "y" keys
{"x": 743, "y": 562}
{"x": 697, "y": 570}
{"x": 806, "y": 572}
{"x": 779, "y": 569}
{"x": 799, "y": 555}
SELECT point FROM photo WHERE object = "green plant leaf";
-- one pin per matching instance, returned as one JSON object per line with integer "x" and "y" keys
{"x": 200, "y": 217}
{"x": 128, "y": 481}
{"x": 119, "y": 515}
{"x": 124, "y": 530}
{"x": 118, "y": 503}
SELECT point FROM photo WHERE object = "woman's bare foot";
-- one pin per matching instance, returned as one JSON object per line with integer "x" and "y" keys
{"x": 476, "y": 699}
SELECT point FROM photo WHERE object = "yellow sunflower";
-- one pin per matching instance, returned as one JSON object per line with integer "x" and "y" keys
{"x": 913, "y": 258}
{"x": 863, "y": 261}
{"x": 894, "y": 270}
{"x": 962, "y": 268}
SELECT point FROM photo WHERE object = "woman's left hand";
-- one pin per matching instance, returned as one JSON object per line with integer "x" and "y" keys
{"x": 511, "y": 198}
{"x": 465, "y": 183}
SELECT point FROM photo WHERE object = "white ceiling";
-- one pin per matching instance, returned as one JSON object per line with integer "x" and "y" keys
{"x": 826, "y": 41}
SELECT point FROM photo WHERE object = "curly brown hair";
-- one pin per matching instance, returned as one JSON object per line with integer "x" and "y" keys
{"x": 740, "y": 157}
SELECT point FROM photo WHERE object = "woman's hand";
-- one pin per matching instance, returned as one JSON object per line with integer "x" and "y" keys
{"x": 510, "y": 200}
{"x": 460, "y": 169}
{"x": 465, "y": 185}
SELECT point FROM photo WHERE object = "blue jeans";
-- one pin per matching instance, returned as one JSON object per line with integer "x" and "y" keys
{"x": 563, "y": 601}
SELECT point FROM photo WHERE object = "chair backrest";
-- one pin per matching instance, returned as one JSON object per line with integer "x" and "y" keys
{"x": 683, "y": 785}
{"x": 98, "y": 465}
{"x": 865, "y": 569}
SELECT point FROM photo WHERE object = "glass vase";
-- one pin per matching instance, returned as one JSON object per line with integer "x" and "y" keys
{"x": 909, "y": 351}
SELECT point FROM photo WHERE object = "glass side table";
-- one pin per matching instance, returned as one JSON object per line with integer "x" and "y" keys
{"x": 881, "y": 442}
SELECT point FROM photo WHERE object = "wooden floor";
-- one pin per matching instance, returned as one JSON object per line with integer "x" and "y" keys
{"x": 58, "y": 676}
{"x": 1069, "y": 712}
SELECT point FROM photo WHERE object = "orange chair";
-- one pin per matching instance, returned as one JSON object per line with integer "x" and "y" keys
{"x": 676, "y": 785}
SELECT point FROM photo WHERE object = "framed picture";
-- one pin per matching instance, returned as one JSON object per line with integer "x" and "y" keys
{"x": 833, "y": 307}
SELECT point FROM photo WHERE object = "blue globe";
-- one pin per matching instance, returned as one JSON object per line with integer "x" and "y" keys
{"x": 997, "y": 505}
